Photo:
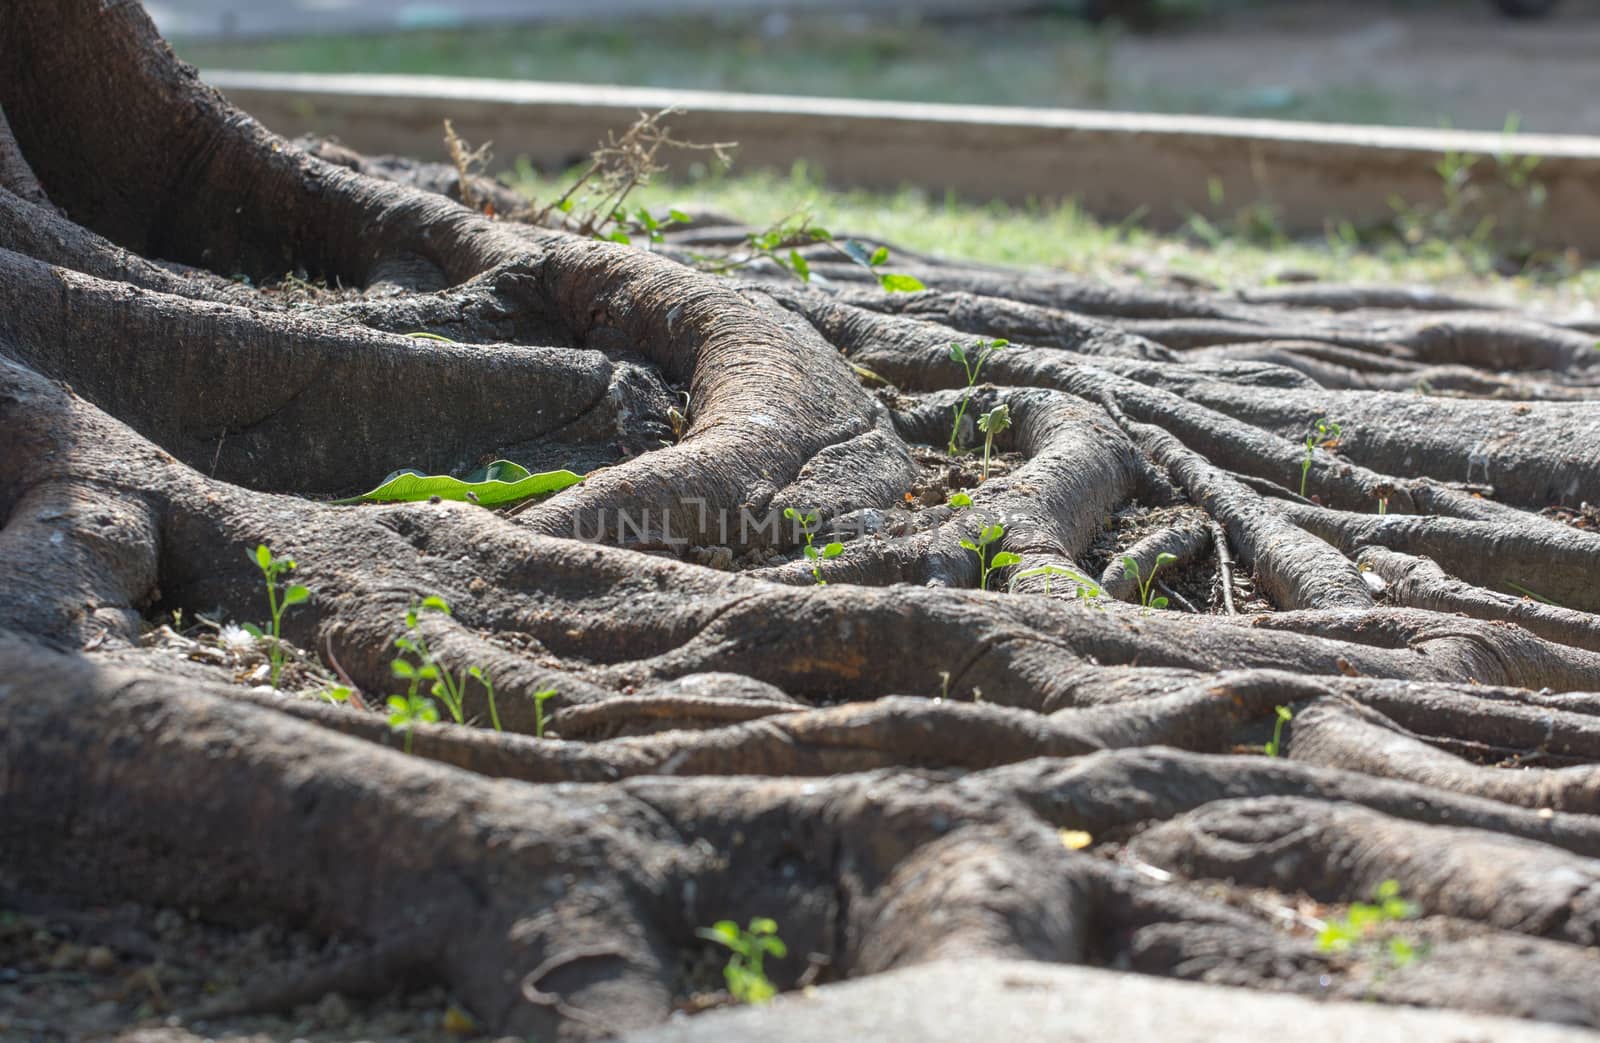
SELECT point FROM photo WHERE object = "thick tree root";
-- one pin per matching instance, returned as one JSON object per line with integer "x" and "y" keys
{"x": 894, "y": 764}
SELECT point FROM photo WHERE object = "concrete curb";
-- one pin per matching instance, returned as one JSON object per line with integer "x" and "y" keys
{"x": 1114, "y": 164}
{"x": 981, "y": 999}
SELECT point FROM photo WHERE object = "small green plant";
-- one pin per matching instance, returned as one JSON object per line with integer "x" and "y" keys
{"x": 273, "y": 569}
{"x": 1147, "y": 583}
{"x": 446, "y": 687}
{"x": 1353, "y": 928}
{"x": 335, "y": 694}
{"x": 808, "y": 527}
{"x": 1282, "y": 715}
{"x": 539, "y": 699}
{"x": 405, "y": 711}
{"x": 972, "y": 363}
{"x": 745, "y": 972}
{"x": 1087, "y": 589}
{"x": 1324, "y": 435}
{"x": 988, "y": 562}
{"x": 992, "y": 423}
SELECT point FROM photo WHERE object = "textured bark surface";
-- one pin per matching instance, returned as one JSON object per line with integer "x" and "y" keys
{"x": 896, "y": 765}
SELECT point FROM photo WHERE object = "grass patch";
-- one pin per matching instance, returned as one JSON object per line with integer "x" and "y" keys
{"x": 1245, "y": 251}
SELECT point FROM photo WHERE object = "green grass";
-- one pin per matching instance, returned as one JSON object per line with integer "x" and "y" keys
{"x": 1242, "y": 253}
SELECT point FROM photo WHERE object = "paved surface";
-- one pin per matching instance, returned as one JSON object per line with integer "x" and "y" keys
{"x": 211, "y": 19}
{"x": 993, "y": 1000}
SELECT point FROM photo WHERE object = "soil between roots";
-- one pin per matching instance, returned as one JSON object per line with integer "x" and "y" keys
{"x": 894, "y": 764}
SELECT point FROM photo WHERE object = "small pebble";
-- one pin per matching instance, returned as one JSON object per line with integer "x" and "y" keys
{"x": 100, "y": 959}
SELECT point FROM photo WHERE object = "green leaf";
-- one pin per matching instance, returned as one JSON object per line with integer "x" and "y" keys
{"x": 398, "y": 704}
{"x": 801, "y": 268}
{"x": 1284, "y": 714}
{"x": 403, "y": 668}
{"x": 475, "y": 671}
{"x": 679, "y": 216}
{"x": 960, "y": 500}
{"x": 991, "y": 533}
{"x": 791, "y": 513}
{"x": 429, "y": 712}
{"x": 811, "y": 552}
{"x": 490, "y": 491}
{"x": 1159, "y": 602}
{"x": 295, "y": 595}
{"x": 880, "y": 255}
{"x": 252, "y": 630}
{"x": 969, "y": 545}
{"x": 1130, "y": 565}
{"x": 958, "y": 353}
{"x": 435, "y": 603}
{"x": 763, "y": 925}
{"x": 901, "y": 283}
{"x": 833, "y": 550}
{"x": 648, "y": 219}
{"x": 1163, "y": 559}
{"x": 263, "y": 557}
{"x": 1005, "y": 558}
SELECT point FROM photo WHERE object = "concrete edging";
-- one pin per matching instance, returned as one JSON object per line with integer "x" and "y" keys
{"x": 1115, "y": 164}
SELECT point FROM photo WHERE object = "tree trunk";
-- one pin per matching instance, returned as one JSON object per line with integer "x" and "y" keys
{"x": 883, "y": 763}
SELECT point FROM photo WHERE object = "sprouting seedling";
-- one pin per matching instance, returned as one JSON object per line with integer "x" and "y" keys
{"x": 444, "y": 686}
{"x": 808, "y": 527}
{"x": 745, "y": 972}
{"x": 405, "y": 711}
{"x": 1387, "y": 906}
{"x": 988, "y": 562}
{"x": 959, "y": 500}
{"x": 1147, "y": 583}
{"x": 1087, "y": 589}
{"x": 1324, "y": 435}
{"x": 992, "y": 423}
{"x": 972, "y": 363}
{"x": 539, "y": 699}
{"x": 271, "y": 570}
{"x": 1282, "y": 716}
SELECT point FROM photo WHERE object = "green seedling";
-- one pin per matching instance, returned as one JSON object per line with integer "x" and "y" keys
{"x": 814, "y": 554}
{"x": 1087, "y": 589}
{"x": 405, "y": 711}
{"x": 1352, "y": 929}
{"x": 272, "y": 569}
{"x": 1324, "y": 435}
{"x": 959, "y": 500}
{"x": 973, "y": 365}
{"x": 988, "y": 562}
{"x": 443, "y": 685}
{"x": 1282, "y": 716}
{"x": 335, "y": 694}
{"x": 1147, "y": 583}
{"x": 746, "y": 976}
{"x": 992, "y": 423}
{"x": 539, "y": 699}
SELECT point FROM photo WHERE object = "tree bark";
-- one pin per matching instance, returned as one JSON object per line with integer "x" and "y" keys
{"x": 883, "y": 762}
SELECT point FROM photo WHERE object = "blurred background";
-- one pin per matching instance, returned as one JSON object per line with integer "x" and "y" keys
{"x": 1457, "y": 63}
{"x": 1487, "y": 223}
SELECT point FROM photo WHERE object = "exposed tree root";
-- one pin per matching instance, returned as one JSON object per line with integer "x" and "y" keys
{"x": 895, "y": 765}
